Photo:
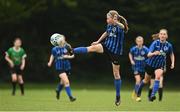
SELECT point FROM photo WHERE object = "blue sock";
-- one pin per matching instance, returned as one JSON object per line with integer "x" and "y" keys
{"x": 136, "y": 88}
{"x": 68, "y": 91}
{"x": 139, "y": 90}
{"x": 80, "y": 50}
{"x": 59, "y": 87}
{"x": 117, "y": 83}
{"x": 155, "y": 88}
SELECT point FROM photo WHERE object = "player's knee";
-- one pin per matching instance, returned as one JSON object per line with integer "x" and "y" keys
{"x": 21, "y": 81}
{"x": 158, "y": 78}
{"x": 14, "y": 79}
{"x": 158, "y": 73}
{"x": 91, "y": 48}
{"x": 116, "y": 75}
{"x": 138, "y": 81}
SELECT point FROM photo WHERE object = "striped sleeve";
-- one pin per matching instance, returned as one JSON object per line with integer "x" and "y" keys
{"x": 170, "y": 48}
{"x": 152, "y": 47}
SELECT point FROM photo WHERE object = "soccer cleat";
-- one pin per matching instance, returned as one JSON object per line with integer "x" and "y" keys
{"x": 138, "y": 99}
{"x": 152, "y": 98}
{"x": 134, "y": 95}
{"x": 118, "y": 101}
{"x": 72, "y": 99}
{"x": 57, "y": 95}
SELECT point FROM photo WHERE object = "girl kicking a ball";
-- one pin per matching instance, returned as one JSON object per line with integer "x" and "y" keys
{"x": 111, "y": 44}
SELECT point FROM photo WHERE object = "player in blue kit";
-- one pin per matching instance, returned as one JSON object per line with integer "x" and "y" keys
{"x": 157, "y": 60}
{"x": 110, "y": 43}
{"x": 137, "y": 57}
{"x": 60, "y": 54}
{"x": 160, "y": 90}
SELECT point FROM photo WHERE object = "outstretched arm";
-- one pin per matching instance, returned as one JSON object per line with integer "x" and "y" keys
{"x": 51, "y": 59}
{"x": 68, "y": 56}
{"x": 103, "y": 36}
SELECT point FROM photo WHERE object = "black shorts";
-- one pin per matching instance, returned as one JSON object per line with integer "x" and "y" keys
{"x": 68, "y": 72}
{"x": 16, "y": 70}
{"x": 151, "y": 70}
{"x": 114, "y": 58}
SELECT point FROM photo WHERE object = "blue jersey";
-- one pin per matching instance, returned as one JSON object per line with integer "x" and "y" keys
{"x": 114, "y": 41}
{"x": 159, "y": 61}
{"x": 60, "y": 63}
{"x": 139, "y": 56}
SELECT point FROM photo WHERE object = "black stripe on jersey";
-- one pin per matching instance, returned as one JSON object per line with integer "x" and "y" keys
{"x": 111, "y": 43}
{"x": 117, "y": 43}
{"x": 121, "y": 44}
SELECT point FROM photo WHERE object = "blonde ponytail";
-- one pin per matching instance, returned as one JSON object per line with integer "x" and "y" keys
{"x": 121, "y": 19}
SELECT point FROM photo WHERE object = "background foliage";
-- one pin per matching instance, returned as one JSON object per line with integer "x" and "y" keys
{"x": 82, "y": 22}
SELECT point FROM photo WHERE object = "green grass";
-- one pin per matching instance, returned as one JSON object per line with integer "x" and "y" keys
{"x": 41, "y": 97}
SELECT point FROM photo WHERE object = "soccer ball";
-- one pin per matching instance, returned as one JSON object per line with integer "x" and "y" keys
{"x": 56, "y": 38}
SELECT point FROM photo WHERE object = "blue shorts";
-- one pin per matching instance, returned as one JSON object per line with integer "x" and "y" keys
{"x": 138, "y": 72}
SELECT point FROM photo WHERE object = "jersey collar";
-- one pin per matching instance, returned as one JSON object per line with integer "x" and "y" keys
{"x": 16, "y": 49}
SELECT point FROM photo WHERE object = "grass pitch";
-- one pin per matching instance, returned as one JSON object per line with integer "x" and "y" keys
{"x": 41, "y": 97}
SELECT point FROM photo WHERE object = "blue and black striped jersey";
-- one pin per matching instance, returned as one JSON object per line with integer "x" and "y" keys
{"x": 114, "y": 41}
{"x": 60, "y": 63}
{"x": 139, "y": 56}
{"x": 159, "y": 61}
